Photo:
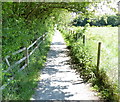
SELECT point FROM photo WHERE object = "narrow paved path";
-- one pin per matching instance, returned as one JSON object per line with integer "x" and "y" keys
{"x": 58, "y": 81}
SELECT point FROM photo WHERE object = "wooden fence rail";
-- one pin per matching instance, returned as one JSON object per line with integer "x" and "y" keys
{"x": 25, "y": 58}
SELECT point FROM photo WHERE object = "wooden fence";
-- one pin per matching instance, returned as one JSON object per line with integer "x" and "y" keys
{"x": 25, "y": 58}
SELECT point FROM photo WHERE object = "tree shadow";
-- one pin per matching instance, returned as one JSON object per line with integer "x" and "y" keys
{"x": 57, "y": 43}
{"x": 50, "y": 69}
{"x": 50, "y": 91}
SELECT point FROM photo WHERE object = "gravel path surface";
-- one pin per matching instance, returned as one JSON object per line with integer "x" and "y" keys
{"x": 57, "y": 80}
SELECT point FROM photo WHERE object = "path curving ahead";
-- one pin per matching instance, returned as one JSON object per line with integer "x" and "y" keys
{"x": 58, "y": 81}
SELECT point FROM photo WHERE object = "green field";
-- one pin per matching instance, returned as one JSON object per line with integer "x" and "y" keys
{"x": 108, "y": 36}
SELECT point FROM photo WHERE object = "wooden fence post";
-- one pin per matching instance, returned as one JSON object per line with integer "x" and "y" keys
{"x": 98, "y": 56}
{"x": 73, "y": 32}
{"x": 76, "y": 36}
{"x": 84, "y": 39}
{"x": 27, "y": 57}
{"x": 43, "y": 37}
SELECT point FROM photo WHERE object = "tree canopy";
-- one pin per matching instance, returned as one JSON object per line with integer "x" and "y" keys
{"x": 38, "y": 9}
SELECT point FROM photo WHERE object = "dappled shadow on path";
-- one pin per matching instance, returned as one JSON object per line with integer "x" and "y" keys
{"x": 58, "y": 81}
{"x": 51, "y": 92}
{"x": 50, "y": 86}
{"x": 57, "y": 43}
